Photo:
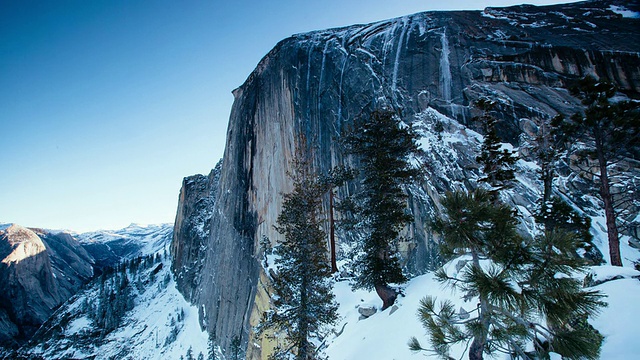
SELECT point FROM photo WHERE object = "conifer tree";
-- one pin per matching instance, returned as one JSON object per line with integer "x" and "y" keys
{"x": 211, "y": 347}
{"x": 384, "y": 148}
{"x": 303, "y": 301}
{"x": 611, "y": 131}
{"x": 516, "y": 282}
{"x": 553, "y": 213}
{"x": 336, "y": 177}
{"x": 497, "y": 163}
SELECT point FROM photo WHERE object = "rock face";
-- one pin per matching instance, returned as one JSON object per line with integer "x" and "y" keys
{"x": 191, "y": 229}
{"x": 308, "y": 91}
{"x": 39, "y": 271}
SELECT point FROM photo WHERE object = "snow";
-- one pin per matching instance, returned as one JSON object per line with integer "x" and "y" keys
{"x": 143, "y": 331}
{"x": 626, "y": 13}
{"x": 384, "y": 335}
{"x": 607, "y": 272}
{"x": 620, "y": 321}
{"x": 78, "y": 325}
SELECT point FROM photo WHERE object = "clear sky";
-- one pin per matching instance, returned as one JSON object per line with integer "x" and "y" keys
{"x": 106, "y": 105}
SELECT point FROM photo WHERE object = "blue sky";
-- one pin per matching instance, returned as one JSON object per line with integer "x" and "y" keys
{"x": 106, "y": 105}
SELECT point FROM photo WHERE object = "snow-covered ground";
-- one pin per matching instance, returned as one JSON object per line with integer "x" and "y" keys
{"x": 159, "y": 310}
{"x": 384, "y": 335}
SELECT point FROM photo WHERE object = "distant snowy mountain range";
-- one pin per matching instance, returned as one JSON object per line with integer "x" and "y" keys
{"x": 41, "y": 269}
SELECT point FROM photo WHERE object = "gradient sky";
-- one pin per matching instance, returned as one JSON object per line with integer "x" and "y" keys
{"x": 106, "y": 105}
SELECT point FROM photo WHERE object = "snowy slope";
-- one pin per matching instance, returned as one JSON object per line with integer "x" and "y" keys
{"x": 160, "y": 325}
{"x": 145, "y": 331}
{"x": 385, "y": 334}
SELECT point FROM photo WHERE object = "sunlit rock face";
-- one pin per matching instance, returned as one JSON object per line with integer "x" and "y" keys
{"x": 307, "y": 92}
{"x": 38, "y": 272}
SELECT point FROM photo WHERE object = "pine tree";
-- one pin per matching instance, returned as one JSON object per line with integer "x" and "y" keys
{"x": 302, "y": 301}
{"x": 497, "y": 163}
{"x": 612, "y": 132}
{"x": 553, "y": 213}
{"x": 521, "y": 283}
{"x": 211, "y": 347}
{"x": 336, "y": 177}
{"x": 384, "y": 147}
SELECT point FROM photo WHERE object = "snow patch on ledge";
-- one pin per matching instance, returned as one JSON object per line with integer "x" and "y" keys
{"x": 626, "y": 13}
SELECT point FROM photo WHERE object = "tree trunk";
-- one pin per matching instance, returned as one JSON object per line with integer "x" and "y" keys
{"x": 476, "y": 350}
{"x": 302, "y": 337}
{"x": 332, "y": 235}
{"x": 605, "y": 193}
{"x": 387, "y": 294}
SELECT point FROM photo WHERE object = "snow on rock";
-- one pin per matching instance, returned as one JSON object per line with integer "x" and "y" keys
{"x": 626, "y": 13}
{"x": 604, "y": 273}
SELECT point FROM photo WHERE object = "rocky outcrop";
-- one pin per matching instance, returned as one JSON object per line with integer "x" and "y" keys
{"x": 191, "y": 229}
{"x": 39, "y": 271}
{"x": 311, "y": 88}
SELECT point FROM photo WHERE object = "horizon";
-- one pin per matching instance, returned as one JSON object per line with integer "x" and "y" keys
{"x": 107, "y": 106}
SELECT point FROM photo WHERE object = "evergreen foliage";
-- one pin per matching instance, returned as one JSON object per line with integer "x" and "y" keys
{"x": 115, "y": 298}
{"x": 117, "y": 291}
{"x": 497, "y": 163}
{"x": 384, "y": 147}
{"x": 613, "y": 132}
{"x": 302, "y": 301}
{"x": 553, "y": 213}
{"x": 336, "y": 177}
{"x": 527, "y": 297}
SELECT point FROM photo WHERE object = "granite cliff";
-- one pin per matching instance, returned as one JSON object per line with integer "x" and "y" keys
{"x": 39, "y": 271}
{"x": 432, "y": 66}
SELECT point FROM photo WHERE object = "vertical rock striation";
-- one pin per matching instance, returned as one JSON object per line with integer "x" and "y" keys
{"x": 191, "y": 229}
{"x": 310, "y": 88}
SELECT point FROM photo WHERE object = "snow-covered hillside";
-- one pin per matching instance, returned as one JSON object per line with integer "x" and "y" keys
{"x": 385, "y": 334}
{"x": 161, "y": 324}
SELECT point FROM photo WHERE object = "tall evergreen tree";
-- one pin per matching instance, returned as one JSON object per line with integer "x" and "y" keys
{"x": 521, "y": 283}
{"x": 611, "y": 131}
{"x": 384, "y": 148}
{"x": 336, "y": 177}
{"x": 303, "y": 300}
{"x": 553, "y": 213}
{"x": 497, "y": 163}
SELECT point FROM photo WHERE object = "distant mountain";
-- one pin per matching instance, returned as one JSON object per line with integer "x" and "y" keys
{"x": 109, "y": 247}
{"x": 42, "y": 269}
{"x": 133, "y": 311}
{"x": 39, "y": 271}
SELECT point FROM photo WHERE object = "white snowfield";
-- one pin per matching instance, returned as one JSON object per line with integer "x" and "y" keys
{"x": 384, "y": 335}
